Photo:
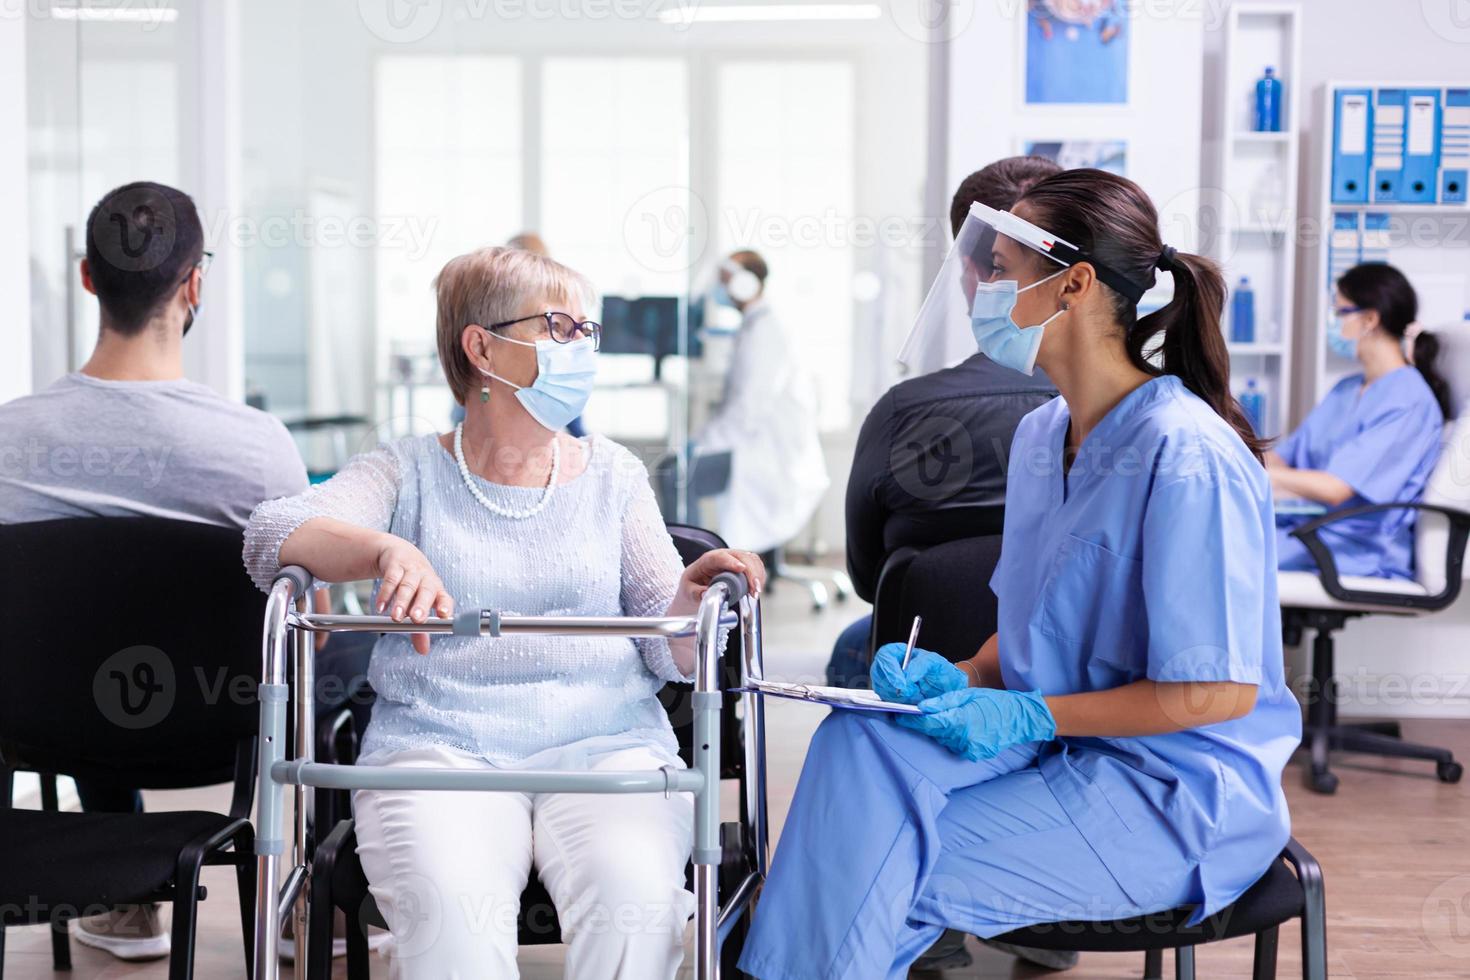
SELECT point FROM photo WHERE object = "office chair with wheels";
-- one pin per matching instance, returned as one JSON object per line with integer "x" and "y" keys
{"x": 813, "y": 578}
{"x": 706, "y": 476}
{"x": 131, "y": 648}
{"x": 676, "y": 482}
{"x": 1325, "y": 601}
{"x": 339, "y": 883}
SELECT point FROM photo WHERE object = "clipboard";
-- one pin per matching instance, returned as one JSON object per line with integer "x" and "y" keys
{"x": 850, "y": 699}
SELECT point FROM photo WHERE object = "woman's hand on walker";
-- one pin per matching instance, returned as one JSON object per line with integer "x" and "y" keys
{"x": 698, "y": 576}
{"x": 928, "y": 675}
{"x": 409, "y": 587}
{"x": 981, "y": 722}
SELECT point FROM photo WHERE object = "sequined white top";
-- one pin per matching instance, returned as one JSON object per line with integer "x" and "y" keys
{"x": 599, "y": 548}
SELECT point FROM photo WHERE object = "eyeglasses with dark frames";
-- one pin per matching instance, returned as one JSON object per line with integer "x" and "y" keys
{"x": 205, "y": 261}
{"x": 563, "y": 327}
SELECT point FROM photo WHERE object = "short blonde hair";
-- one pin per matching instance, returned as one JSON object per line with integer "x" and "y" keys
{"x": 492, "y": 285}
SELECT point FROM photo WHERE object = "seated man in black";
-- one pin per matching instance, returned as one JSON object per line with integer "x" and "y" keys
{"x": 930, "y": 463}
{"x": 930, "y": 467}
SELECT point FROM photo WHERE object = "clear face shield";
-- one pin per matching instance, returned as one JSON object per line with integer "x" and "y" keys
{"x": 969, "y": 306}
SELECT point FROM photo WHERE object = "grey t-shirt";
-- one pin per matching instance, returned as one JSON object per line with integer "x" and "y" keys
{"x": 85, "y": 447}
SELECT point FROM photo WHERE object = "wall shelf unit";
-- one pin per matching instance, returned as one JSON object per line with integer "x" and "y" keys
{"x": 1391, "y": 187}
{"x": 1255, "y": 199}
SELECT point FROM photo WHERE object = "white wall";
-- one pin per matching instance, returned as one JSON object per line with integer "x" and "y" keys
{"x": 1162, "y": 123}
{"x": 15, "y": 286}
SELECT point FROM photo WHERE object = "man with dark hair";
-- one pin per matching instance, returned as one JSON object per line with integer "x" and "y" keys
{"x": 975, "y": 403}
{"x": 902, "y": 490}
{"x": 127, "y": 435}
{"x": 999, "y": 185}
{"x": 913, "y": 484}
{"x": 144, "y": 241}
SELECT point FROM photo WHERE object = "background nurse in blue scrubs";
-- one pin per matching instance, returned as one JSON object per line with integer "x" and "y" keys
{"x": 1376, "y": 436}
{"x": 1116, "y": 748}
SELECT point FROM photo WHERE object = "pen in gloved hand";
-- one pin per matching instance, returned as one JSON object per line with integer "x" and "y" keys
{"x": 913, "y": 638}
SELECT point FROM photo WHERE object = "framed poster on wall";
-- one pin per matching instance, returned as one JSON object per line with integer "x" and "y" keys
{"x": 1109, "y": 155}
{"x": 1077, "y": 52}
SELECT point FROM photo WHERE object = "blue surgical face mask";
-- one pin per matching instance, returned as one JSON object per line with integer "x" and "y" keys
{"x": 999, "y": 337}
{"x": 565, "y": 374}
{"x": 1337, "y": 343}
{"x": 721, "y": 295}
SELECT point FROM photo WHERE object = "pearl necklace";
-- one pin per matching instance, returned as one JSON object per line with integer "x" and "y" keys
{"x": 492, "y": 506}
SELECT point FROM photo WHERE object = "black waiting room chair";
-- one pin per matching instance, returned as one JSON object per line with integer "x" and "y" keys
{"x": 339, "y": 884}
{"x": 948, "y": 585}
{"x": 131, "y": 649}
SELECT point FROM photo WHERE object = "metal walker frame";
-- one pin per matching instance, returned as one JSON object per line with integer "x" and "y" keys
{"x": 275, "y": 894}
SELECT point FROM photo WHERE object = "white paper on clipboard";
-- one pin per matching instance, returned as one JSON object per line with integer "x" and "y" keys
{"x": 854, "y": 699}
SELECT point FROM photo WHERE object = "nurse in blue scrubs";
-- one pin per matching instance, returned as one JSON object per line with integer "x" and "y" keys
{"x": 1376, "y": 436}
{"x": 1116, "y": 748}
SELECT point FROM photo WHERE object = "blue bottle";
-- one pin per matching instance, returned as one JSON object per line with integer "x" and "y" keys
{"x": 1268, "y": 103}
{"x": 1253, "y": 403}
{"x": 1243, "y": 313}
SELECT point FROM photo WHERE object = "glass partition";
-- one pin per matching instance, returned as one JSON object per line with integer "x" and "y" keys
{"x": 447, "y": 164}
{"x": 640, "y": 151}
{"x": 105, "y": 106}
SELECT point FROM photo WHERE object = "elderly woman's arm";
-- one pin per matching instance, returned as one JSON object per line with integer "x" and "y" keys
{"x": 339, "y": 532}
{"x": 656, "y": 583}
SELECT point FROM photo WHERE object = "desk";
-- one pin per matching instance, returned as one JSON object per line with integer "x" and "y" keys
{"x": 1298, "y": 507}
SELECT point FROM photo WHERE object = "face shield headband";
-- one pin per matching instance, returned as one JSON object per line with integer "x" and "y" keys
{"x": 942, "y": 334}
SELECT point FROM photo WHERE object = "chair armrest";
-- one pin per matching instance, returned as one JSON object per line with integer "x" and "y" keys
{"x": 1308, "y": 871}
{"x": 1327, "y": 566}
{"x": 1314, "y": 909}
{"x": 324, "y": 857}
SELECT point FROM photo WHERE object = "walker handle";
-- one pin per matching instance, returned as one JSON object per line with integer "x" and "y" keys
{"x": 300, "y": 578}
{"x": 733, "y": 581}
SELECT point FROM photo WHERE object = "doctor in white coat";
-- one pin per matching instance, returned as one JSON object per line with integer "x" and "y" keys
{"x": 766, "y": 419}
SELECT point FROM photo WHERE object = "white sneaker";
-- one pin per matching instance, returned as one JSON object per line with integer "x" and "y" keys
{"x": 128, "y": 932}
{"x": 376, "y": 939}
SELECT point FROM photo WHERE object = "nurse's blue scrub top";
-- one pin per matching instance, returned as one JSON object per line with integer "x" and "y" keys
{"x": 1154, "y": 557}
{"x": 1383, "y": 441}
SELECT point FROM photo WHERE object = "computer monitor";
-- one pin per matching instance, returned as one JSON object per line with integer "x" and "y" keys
{"x": 649, "y": 325}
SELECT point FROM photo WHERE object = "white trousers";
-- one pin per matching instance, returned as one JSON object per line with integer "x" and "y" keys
{"x": 447, "y": 870}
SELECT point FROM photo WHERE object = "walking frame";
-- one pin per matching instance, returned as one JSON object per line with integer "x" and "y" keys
{"x": 277, "y": 893}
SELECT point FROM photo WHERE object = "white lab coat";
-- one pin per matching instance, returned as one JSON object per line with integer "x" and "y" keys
{"x": 767, "y": 420}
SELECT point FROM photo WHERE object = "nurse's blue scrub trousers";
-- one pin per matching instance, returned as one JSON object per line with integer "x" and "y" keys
{"x": 892, "y": 838}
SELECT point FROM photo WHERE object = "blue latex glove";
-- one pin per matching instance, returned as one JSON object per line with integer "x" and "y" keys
{"x": 928, "y": 675}
{"x": 980, "y": 722}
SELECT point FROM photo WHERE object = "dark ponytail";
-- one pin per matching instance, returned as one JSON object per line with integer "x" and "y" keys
{"x": 1116, "y": 226}
{"x": 1383, "y": 289}
{"x": 1425, "y": 353}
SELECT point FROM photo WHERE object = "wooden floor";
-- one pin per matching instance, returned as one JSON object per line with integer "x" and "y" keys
{"x": 1394, "y": 845}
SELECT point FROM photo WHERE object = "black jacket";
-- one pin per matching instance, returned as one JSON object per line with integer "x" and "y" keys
{"x": 930, "y": 464}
